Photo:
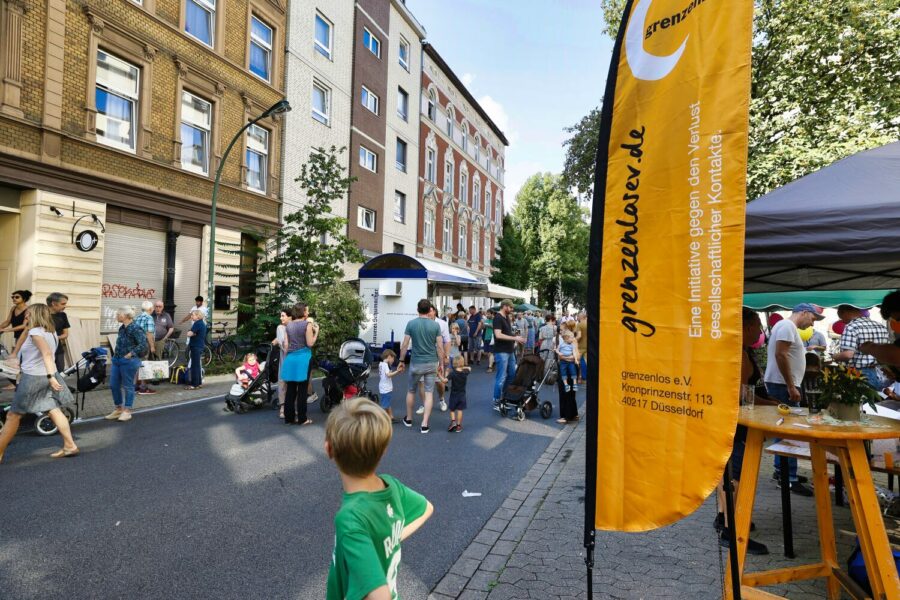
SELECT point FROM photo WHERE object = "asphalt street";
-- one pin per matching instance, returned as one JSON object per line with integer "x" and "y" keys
{"x": 193, "y": 502}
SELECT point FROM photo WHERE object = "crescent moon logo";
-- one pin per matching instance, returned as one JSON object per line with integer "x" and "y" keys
{"x": 648, "y": 67}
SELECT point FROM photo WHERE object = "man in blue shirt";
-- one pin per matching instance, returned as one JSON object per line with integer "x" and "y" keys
{"x": 475, "y": 325}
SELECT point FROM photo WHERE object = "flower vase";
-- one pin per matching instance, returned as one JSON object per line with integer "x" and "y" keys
{"x": 845, "y": 412}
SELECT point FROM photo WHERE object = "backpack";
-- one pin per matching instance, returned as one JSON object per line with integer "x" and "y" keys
{"x": 94, "y": 376}
{"x": 178, "y": 375}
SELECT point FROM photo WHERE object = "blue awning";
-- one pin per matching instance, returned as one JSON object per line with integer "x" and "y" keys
{"x": 401, "y": 266}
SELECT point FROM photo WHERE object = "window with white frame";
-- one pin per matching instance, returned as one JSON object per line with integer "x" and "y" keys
{"x": 116, "y": 99}
{"x": 477, "y": 148}
{"x": 448, "y": 177}
{"x": 200, "y": 20}
{"x": 369, "y": 100}
{"x": 476, "y": 243}
{"x": 371, "y": 42}
{"x": 260, "y": 49}
{"x": 402, "y": 104}
{"x": 430, "y": 158}
{"x": 476, "y": 194}
{"x": 321, "y": 103}
{"x": 403, "y": 55}
{"x": 399, "y": 207}
{"x": 487, "y": 203}
{"x": 432, "y": 106}
{"x": 368, "y": 159}
{"x": 498, "y": 211}
{"x": 448, "y": 234}
{"x": 462, "y": 239}
{"x": 324, "y": 42}
{"x": 365, "y": 218}
{"x": 464, "y": 187}
{"x": 196, "y": 123}
{"x": 465, "y": 137}
{"x": 450, "y": 119}
{"x": 487, "y": 248}
{"x": 401, "y": 155}
{"x": 257, "y": 158}
{"x": 429, "y": 227}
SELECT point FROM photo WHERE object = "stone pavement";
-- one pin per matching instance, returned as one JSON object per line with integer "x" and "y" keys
{"x": 532, "y": 546}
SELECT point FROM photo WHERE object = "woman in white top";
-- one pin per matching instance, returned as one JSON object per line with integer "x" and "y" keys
{"x": 38, "y": 381}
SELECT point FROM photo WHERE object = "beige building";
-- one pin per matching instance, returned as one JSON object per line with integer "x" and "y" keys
{"x": 114, "y": 115}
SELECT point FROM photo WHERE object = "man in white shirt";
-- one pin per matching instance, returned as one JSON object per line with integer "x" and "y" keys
{"x": 198, "y": 305}
{"x": 785, "y": 369}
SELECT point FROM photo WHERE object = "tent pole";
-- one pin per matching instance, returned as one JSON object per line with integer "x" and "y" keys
{"x": 732, "y": 532}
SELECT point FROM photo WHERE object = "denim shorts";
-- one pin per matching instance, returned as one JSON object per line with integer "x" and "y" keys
{"x": 386, "y": 400}
{"x": 424, "y": 372}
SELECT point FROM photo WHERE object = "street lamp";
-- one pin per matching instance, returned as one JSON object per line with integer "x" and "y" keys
{"x": 282, "y": 106}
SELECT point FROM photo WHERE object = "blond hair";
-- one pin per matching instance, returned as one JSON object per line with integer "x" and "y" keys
{"x": 39, "y": 316}
{"x": 358, "y": 431}
{"x": 568, "y": 335}
{"x": 459, "y": 361}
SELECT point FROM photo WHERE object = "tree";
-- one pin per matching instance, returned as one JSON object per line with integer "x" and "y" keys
{"x": 339, "y": 310}
{"x": 581, "y": 153}
{"x": 509, "y": 268}
{"x": 307, "y": 253}
{"x": 823, "y": 87}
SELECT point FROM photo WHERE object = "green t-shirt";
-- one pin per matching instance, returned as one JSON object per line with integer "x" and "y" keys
{"x": 423, "y": 333}
{"x": 488, "y": 327}
{"x": 367, "y": 539}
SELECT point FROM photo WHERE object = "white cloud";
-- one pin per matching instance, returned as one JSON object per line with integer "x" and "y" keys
{"x": 499, "y": 116}
{"x": 467, "y": 79}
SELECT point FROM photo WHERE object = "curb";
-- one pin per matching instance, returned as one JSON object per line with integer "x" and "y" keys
{"x": 475, "y": 572}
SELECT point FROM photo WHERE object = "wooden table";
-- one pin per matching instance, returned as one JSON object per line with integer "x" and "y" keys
{"x": 847, "y": 444}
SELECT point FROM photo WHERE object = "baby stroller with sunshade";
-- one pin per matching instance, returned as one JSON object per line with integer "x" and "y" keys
{"x": 348, "y": 375}
{"x": 521, "y": 395}
{"x": 261, "y": 391}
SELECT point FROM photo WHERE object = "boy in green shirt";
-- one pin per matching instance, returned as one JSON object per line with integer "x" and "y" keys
{"x": 377, "y": 512}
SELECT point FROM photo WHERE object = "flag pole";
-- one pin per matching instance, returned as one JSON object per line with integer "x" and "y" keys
{"x": 728, "y": 484}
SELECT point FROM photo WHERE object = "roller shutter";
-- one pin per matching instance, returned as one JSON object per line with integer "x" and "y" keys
{"x": 187, "y": 277}
{"x": 134, "y": 262}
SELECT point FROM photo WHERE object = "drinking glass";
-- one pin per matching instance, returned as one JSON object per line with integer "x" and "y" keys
{"x": 748, "y": 396}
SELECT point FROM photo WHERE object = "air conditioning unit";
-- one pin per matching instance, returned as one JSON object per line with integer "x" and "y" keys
{"x": 390, "y": 288}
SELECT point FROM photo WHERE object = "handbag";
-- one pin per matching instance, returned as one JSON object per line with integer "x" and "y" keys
{"x": 153, "y": 370}
{"x": 64, "y": 396}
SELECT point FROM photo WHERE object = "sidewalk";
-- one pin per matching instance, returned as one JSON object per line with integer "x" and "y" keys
{"x": 532, "y": 547}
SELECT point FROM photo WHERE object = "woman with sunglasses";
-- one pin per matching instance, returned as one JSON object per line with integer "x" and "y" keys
{"x": 15, "y": 321}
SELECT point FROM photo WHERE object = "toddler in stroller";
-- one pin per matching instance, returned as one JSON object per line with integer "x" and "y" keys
{"x": 256, "y": 384}
{"x": 348, "y": 375}
{"x": 521, "y": 395}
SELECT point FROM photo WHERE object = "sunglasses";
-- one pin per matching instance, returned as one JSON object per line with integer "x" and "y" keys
{"x": 15, "y": 297}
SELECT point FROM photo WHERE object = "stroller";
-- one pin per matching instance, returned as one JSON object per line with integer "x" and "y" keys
{"x": 521, "y": 395}
{"x": 348, "y": 376}
{"x": 261, "y": 390}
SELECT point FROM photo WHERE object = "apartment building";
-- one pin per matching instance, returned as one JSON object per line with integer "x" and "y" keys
{"x": 114, "y": 117}
{"x": 461, "y": 173}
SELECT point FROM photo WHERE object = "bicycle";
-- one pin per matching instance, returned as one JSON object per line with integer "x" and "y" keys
{"x": 171, "y": 349}
{"x": 223, "y": 349}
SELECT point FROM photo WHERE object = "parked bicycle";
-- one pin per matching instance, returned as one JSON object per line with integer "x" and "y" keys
{"x": 171, "y": 349}
{"x": 223, "y": 348}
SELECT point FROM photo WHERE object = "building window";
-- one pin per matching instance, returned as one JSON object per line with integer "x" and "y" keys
{"x": 477, "y": 148}
{"x": 372, "y": 43}
{"x": 402, "y": 104}
{"x": 431, "y": 109}
{"x": 196, "y": 123}
{"x": 476, "y": 194}
{"x": 450, "y": 119}
{"x": 199, "y": 20}
{"x": 323, "y": 39}
{"x": 429, "y": 165}
{"x": 365, "y": 218}
{"x": 404, "y": 53}
{"x": 321, "y": 103}
{"x": 401, "y": 155}
{"x": 260, "y": 49}
{"x": 465, "y": 137}
{"x": 462, "y": 240}
{"x": 368, "y": 159}
{"x": 448, "y": 178}
{"x": 487, "y": 248}
{"x": 463, "y": 188}
{"x": 487, "y": 203}
{"x": 498, "y": 211}
{"x": 475, "y": 245}
{"x": 117, "y": 102}
{"x": 399, "y": 207}
{"x": 257, "y": 158}
{"x": 429, "y": 227}
{"x": 448, "y": 232}
{"x": 398, "y": 248}
{"x": 369, "y": 100}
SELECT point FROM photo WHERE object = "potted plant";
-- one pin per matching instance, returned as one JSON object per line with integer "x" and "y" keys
{"x": 844, "y": 390}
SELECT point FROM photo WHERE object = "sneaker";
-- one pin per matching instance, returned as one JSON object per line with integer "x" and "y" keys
{"x": 458, "y": 429}
{"x": 125, "y": 416}
{"x": 313, "y": 398}
{"x": 497, "y": 405}
{"x": 146, "y": 392}
{"x": 407, "y": 422}
{"x": 113, "y": 416}
{"x": 443, "y": 405}
{"x": 798, "y": 488}
{"x": 753, "y": 547}
{"x": 575, "y": 388}
{"x": 420, "y": 410}
{"x": 452, "y": 426}
{"x": 568, "y": 388}
{"x": 425, "y": 429}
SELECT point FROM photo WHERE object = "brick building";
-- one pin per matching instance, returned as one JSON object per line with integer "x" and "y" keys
{"x": 461, "y": 173}
{"x": 114, "y": 115}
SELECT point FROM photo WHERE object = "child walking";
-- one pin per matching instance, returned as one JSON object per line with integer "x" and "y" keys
{"x": 568, "y": 360}
{"x": 385, "y": 385}
{"x": 458, "y": 378}
{"x": 377, "y": 511}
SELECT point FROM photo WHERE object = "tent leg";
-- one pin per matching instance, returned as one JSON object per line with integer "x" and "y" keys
{"x": 589, "y": 562}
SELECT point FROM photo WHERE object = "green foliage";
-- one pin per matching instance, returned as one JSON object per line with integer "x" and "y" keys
{"x": 581, "y": 152}
{"x": 510, "y": 269}
{"x": 339, "y": 310}
{"x": 293, "y": 263}
{"x": 824, "y": 86}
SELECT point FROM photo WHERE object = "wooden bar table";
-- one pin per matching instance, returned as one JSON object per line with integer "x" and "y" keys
{"x": 846, "y": 442}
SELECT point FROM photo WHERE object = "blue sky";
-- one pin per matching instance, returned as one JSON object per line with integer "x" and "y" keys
{"x": 536, "y": 66}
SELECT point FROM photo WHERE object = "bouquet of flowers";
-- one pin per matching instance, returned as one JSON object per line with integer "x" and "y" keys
{"x": 846, "y": 385}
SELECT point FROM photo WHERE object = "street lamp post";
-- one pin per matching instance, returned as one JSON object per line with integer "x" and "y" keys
{"x": 282, "y": 106}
